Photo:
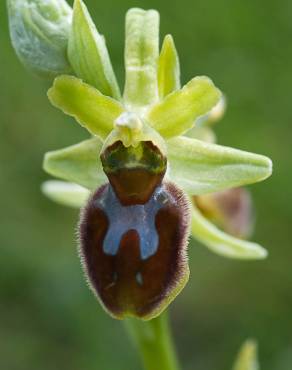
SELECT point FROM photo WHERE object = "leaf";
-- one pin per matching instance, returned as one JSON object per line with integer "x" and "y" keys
{"x": 65, "y": 193}
{"x": 141, "y": 55}
{"x": 177, "y": 113}
{"x": 88, "y": 53}
{"x": 168, "y": 68}
{"x": 39, "y": 33}
{"x": 247, "y": 357}
{"x": 78, "y": 163}
{"x": 200, "y": 167}
{"x": 93, "y": 110}
{"x": 221, "y": 243}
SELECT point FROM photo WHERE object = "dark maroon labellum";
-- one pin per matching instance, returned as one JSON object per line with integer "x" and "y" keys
{"x": 135, "y": 256}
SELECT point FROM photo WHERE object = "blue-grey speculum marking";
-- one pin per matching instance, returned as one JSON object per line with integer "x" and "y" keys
{"x": 135, "y": 217}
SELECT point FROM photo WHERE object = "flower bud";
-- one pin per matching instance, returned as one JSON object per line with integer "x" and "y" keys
{"x": 39, "y": 33}
{"x": 231, "y": 210}
{"x": 135, "y": 256}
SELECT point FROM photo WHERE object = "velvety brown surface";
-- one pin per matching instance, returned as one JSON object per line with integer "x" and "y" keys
{"x": 125, "y": 283}
{"x": 134, "y": 186}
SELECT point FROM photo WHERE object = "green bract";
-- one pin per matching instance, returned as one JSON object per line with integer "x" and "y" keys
{"x": 88, "y": 53}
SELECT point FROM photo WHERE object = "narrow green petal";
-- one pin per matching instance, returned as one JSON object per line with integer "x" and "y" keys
{"x": 199, "y": 167}
{"x": 65, "y": 193}
{"x": 177, "y": 113}
{"x": 247, "y": 357}
{"x": 168, "y": 68}
{"x": 88, "y": 53}
{"x": 93, "y": 110}
{"x": 141, "y": 55}
{"x": 78, "y": 163}
{"x": 221, "y": 243}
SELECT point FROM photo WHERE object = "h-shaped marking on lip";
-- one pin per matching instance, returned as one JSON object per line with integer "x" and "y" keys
{"x": 136, "y": 217}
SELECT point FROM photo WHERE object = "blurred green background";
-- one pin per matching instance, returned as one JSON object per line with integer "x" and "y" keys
{"x": 48, "y": 317}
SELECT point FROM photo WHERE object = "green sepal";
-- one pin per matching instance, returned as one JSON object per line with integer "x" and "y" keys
{"x": 168, "y": 68}
{"x": 221, "y": 243}
{"x": 65, "y": 193}
{"x": 93, "y": 110}
{"x": 39, "y": 33}
{"x": 141, "y": 55}
{"x": 78, "y": 163}
{"x": 199, "y": 167}
{"x": 177, "y": 113}
{"x": 247, "y": 357}
{"x": 88, "y": 53}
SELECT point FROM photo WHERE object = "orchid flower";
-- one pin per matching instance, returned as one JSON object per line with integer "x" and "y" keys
{"x": 138, "y": 175}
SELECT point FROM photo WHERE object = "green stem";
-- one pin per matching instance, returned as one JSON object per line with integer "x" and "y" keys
{"x": 154, "y": 341}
